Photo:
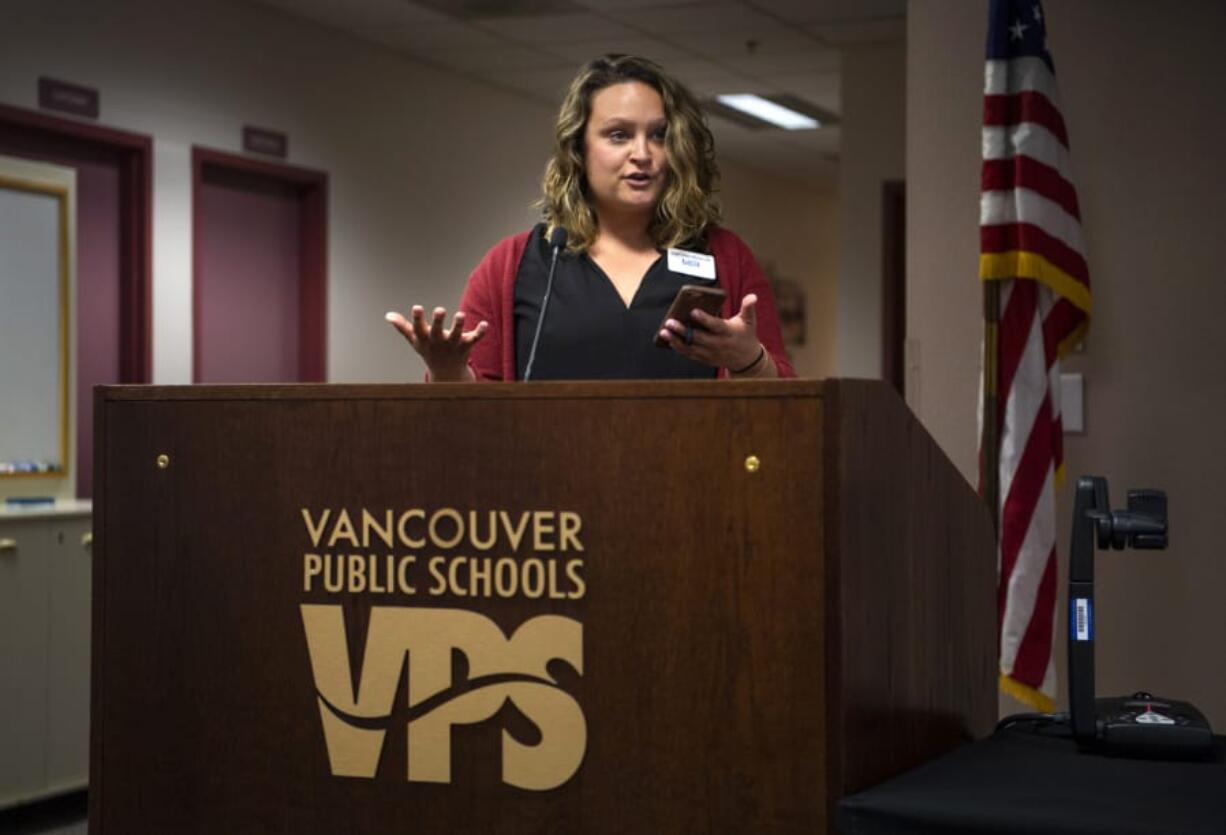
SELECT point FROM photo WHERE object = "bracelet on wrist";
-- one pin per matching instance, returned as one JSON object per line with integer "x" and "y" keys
{"x": 752, "y": 365}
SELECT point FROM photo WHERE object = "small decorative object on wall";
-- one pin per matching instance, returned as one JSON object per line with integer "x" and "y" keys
{"x": 790, "y": 299}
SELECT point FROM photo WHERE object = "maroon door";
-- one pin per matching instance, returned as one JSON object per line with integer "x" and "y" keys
{"x": 114, "y": 181}
{"x": 259, "y": 235}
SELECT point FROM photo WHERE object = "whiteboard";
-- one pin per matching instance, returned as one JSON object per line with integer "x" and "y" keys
{"x": 35, "y": 254}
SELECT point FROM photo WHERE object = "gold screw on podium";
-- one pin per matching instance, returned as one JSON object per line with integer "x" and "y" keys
{"x": 163, "y": 461}
{"x": 752, "y": 464}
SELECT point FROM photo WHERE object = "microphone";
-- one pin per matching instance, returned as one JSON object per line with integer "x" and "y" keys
{"x": 557, "y": 240}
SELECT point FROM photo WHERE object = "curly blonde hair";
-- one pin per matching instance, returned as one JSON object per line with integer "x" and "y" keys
{"x": 688, "y": 204}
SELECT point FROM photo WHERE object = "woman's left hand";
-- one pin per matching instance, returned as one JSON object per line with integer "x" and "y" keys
{"x": 725, "y": 343}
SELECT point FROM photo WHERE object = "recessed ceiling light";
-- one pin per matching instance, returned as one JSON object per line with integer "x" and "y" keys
{"x": 769, "y": 111}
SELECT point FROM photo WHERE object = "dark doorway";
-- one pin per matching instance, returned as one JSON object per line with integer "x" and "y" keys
{"x": 894, "y": 284}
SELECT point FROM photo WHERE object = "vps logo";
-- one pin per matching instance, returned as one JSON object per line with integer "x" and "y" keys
{"x": 499, "y": 669}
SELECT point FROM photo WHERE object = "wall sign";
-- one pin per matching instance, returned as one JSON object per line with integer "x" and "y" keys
{"x": 68, "y": 98}
{"x": 264, "y": 141}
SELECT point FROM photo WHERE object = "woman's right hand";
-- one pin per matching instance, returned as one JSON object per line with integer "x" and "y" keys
{"x": 445, "y": 351}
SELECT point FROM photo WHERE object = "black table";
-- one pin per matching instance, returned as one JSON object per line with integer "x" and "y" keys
{"x": 1027, "y": 780}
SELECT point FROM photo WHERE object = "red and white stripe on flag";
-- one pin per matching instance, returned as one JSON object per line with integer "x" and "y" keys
{"x": 1031, "y": 242}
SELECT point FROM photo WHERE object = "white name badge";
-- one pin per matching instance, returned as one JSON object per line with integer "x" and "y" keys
{"x": 697, "y": 264}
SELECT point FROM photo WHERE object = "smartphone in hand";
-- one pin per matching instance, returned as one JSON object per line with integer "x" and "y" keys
{"x": 689, "y": 297}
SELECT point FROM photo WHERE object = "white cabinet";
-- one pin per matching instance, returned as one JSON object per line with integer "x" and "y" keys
{"x": 44, "y": 652}
{"x": 24, "y": 587}
{"x": 68, "y": 654}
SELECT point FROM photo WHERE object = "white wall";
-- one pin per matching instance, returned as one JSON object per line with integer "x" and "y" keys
{"x": 426, "y": 169}
{"x": 873, "y": 151}
{"x": 1142, "y": 101}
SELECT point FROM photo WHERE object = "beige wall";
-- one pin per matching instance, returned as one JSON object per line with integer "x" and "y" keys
{"x": 1141, "y": 93}
{"x": 793, "y": 229}
{"x": 873, "y": 151}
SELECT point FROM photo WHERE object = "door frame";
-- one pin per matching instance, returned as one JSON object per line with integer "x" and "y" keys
{"x": 135, "y": 226}
{"x": 312, "y": 186}
{"x": 894, "y": 283}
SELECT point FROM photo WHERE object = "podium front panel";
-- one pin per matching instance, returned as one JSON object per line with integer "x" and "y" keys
{"x": 503, "y": 608}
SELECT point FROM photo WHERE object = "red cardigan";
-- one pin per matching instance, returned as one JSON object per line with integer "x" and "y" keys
{"x": 490, "y": 297}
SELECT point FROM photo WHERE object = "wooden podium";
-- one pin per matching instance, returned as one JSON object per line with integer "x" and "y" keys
{"x": 549, "y": 608}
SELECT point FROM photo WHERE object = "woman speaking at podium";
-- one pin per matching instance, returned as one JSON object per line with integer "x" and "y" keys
{"x": 630, "y": 217}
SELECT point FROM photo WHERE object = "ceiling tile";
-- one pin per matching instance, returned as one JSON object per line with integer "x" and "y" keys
{"x": 505, "y": 57}
{"x": 698, "y": 18}
{"x": 432, "y": 37}
{"x": 695, "y": 69}
{"x": 812, "y": 59}
{"x": 801, "y": 11}
{"x": 580, "y": 52}
{"x": 473, "y": 10}
{"x": 732, "y": 138}
{"x": 822, "y": 89}
{"x": 359, "y": 14}
{"x": 769, "y": 38}
{"x": 729, "y": 84}
{"x": 820, "y": 141}
{"x": 872, "y": 8}
{"x": 556, "y": 28}
{"x": 861, "y": 31}
{"x": 546, "y": 85}
{"x": 629, "y": 5}
{"x": 705, "y": 78}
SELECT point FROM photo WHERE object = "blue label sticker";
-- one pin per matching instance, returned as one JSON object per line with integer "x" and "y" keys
{"x": 1081, "y": 618}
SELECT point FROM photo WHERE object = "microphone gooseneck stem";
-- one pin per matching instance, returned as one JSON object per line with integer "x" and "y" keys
{"x": 540, "y": 320}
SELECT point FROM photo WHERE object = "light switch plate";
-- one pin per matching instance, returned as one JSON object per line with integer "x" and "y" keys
{"x": 1072, "y": 404}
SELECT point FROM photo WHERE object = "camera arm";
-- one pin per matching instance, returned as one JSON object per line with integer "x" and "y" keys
{"x": 1143, "y": 525}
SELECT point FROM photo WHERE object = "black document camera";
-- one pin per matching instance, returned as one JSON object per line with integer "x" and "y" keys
{"x": 1140, "y": 725}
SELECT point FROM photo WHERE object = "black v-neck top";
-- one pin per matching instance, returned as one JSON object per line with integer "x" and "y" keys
{"x": 590, "y": 333}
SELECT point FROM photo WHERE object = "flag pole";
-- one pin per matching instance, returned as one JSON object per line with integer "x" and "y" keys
{"x": 990, "y": 477}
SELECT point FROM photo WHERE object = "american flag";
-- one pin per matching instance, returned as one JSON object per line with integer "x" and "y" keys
{"x": 1031, "y": 243}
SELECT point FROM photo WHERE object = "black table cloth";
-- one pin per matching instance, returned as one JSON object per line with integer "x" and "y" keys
{"x": 1027, "y": 780}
